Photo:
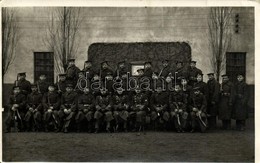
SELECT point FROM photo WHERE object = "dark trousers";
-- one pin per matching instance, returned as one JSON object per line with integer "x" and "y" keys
{"x": 226, "y": 124}
{"x": 212, "y": 122}
{"x": 240, "y": 124}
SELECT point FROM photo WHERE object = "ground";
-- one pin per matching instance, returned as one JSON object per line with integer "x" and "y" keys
{"x": 219, "y": 145}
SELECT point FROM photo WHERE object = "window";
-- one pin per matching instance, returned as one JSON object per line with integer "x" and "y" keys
{"x": 44, "y": 64}
{"x": 235, "y": 63}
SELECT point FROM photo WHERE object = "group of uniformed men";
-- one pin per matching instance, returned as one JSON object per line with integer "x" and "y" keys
{"x": 166, "y": 100}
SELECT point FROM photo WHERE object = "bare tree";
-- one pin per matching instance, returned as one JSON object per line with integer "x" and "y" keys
{"x": 10, "y": 37}
{"x": 62, "y": 35}
{"x": 220, "y": 35}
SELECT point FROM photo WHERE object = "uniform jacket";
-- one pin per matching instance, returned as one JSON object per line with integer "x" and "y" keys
{"x": 19, "y": 99}
{"x": 72, "y": 72}
{"x": 69, "y": 100}
{"x": 34, "y": 100}
{"x": 51, "y": 99}
{"x": 199, "y": 102}
{"x": 227, "y": 90}
{"x": 42, "y": 86}
{"x": 177, "y": 97}
{"x": 25, "y": 86}
{"x": 90, "y": 72}
{"x": 86, "y": 99}
{"x": 159, "y": 99}
{"x": 203, "y": 88}
{"x": 192, "y": 73}
{"x": 213, "y": 89}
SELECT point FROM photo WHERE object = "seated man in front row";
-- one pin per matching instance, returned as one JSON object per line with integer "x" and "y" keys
{"x": 178, "y": 104}
{"x": 198, "y": 105}
{"x": 86, "y": 107}
{"x": 16, "y": 110}
{"x": 68, "y": 107}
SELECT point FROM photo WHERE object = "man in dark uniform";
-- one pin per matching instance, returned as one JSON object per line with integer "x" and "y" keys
{"x": 159, "y": 108}
{"x": 72, "y": 72}
{"x": 68, "y": 107}
{"x": 193, "y": 71}
{"x": 179, "y": 72}
{"x": 146, "y": 83}
{"x": 148, "y": 69}
{"x": 61, "y": 83}
{"x": 42, "y": 84}
{"x": 120, "y": 74}
{"x": 240, "y": 112}
{"x": 88, "y": 70}
{"x": 16, "y": 109}
{"x": 178, "y": 110}
{"x": 226, "y": 102}
{"x": 103, "y": 110}
{"x": 198, "y": 107}
{"x": 82, "y": 83}
{"x": 164, "y": 72}
{"x": 25, "y": 85}
{"x": 202, "y": 85}
{"x": 139, "y": 108}
{"x": 33, "y": 117}
{"x": 213, "y": 98}
{"x": 51, "y": 104}
{"x": 186, "y": 89}
{"x": 105, "y": 70}
{"x": 120, "y": 105}
{"x": 86, "y": 108}
{"x": 108, "y": 83}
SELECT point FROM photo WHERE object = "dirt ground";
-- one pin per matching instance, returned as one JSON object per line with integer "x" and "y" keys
{"x": 153, "y": 146}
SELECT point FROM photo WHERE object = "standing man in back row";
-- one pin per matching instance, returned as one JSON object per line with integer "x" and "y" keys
{"x": 193, "y": 71}
{"x": 25, "y": 85}
{"x": 72, "y": 72}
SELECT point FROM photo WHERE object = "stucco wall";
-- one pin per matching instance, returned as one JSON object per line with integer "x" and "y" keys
{"x": 132, "y": 25}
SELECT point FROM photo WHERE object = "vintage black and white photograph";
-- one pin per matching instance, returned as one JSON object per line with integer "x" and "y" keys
{"x": 128, "y": 84}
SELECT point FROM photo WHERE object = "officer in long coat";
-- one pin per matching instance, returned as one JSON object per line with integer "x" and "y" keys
{"x": 104, "y": 110}
{"x": 25, "y": 85}
{"x": 33, "y": 117}
{"x": 86, "y": 109}
{"x": 121, "y": 106}
{"x": 16, "y": 110}
{"x": 240, "y": 111}
{"x": 213, "y": 99}
{"x": 51, "y": 103}
{"x": 178, "y": 109}
{"x": 68, "y": 107}
{"x": 198, "y": 107}
{"x": 226, "y": 102}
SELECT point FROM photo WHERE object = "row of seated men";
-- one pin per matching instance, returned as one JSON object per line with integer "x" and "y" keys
{"x": 175, "y": 108}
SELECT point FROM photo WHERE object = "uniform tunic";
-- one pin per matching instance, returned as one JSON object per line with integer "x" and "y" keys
{"x": 240, "y": 111}
{"x": 226, "y": 100}
{"x": 213, "y": 89}
{"x": 120, "y": 106}
{"x": 86, "y": 107}
{"x": 159, "y": 106}
{"x": 139, "y": 107}
{"x": 25, "y": 86}
{"x": 104, "y": 107}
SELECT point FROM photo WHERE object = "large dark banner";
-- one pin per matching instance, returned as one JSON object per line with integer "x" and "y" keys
{"x": 140, "y": 52}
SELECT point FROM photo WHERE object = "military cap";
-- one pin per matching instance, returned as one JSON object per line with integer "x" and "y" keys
{"x": 240, "y": 74}
{"x": 225, "y": 75}
{"x": 179, "y": 62}
{"x": 121, "y": 62}
{"x": 166, "y": 60}
{"x": 71, "y": 60}
{"x": 104, "y": 62}
{"x": 34, "y": 85}
{"x": 141, "y": 69}
{"x": 147, "y": 63}
{"x": 62, "y": 74}
{"x": 22, "y": 73}
{"x": 193, "y": 62}
{"x": 69, "y": 85}
{"x": 196, "y": 88}
{"x": 81, "y": 72}
{"x": 210, "y": 73}
{"x": 16, "y": 87}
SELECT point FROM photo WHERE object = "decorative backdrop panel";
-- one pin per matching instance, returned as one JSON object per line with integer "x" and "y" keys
{"x": 139, "y": 52}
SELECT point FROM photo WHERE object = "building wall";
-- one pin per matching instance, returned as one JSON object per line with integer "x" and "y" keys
{"x": 132, "y": 25}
